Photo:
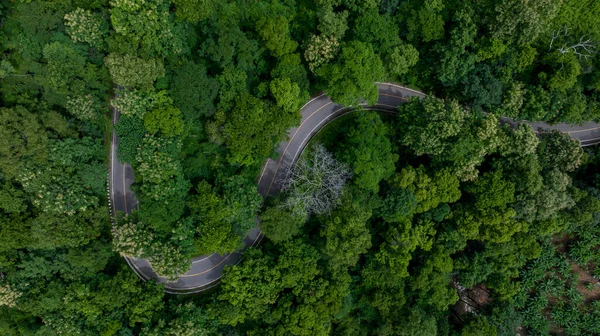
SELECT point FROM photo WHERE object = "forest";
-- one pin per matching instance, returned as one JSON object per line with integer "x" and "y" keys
{"x": 436, "y": 220}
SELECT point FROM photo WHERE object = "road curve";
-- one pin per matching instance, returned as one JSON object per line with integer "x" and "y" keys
{"x": 318, "y": 112}
{"x": 205, "y": 271}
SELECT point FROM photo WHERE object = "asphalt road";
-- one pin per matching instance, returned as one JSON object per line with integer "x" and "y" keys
{"x": 206, "y": 270}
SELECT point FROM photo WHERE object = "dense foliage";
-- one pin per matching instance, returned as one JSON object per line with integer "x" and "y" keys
{"x": 424, "y": 207}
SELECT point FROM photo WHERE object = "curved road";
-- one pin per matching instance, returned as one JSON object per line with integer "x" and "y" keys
{"x": 206, "y": 270}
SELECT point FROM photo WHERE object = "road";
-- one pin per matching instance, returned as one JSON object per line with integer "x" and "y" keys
{"x": 206, "y": 270}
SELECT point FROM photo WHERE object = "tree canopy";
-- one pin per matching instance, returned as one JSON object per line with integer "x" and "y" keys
{"x": 438, "y": 219}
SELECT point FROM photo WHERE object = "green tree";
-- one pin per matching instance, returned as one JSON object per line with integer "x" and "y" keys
{"x": 401, "y": 239}
{"x": 491, "y": 190}
{"x": 456, "y": 60}
{"x": 290, "y": 66}
{"x": 522, "y": 21}
{"x": 130, "y": 131}
{"x": 368, "y": 149}
{"x": 425, "y": 124}
{"x": 157, "y": 168}
{"x": 380, "y": 31}
{"x": 68, "y": 72}
{"x": 169, "y": 256}
{"x": 352, "y": 79}
{"x": 398, "y": 204}
{"x": 479, "y": 326}
{"x": 346, "y": 233}
{"x": 424, "y": 19}
{"x": 162, "y": 185}
{"x": 279, "y": 223}
{"x": 250, "y": 290}
{"x": 226, "y": 42}
{"x": 193, "y": 91}
{"x": 69, "y": 183}
{"x": 566, "y": 69}
{"x": 216, "y": 226}
{"x": 242, "y": 198}
{"x": 12, "y": 200}
{"x": 132, "y": 103}
{"x": 22, "y": 139}
{"x": 449, "y": 134}
{"x": 431, "y": 281}
{"x": 185, "y": 319}
{"x": 232, "y": 82}
{"x": 558, "y": 151}
{"x": 416, "y": 323}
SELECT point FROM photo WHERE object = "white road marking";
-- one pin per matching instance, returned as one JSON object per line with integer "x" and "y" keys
{"x": 112, "y": 166}
{"x": 310, "y": 101}
{"x": 264, "y": 169}
{"x": 199, "y": 260}
{"x": 401, "y": 87}
{"x": 125, "y": 191}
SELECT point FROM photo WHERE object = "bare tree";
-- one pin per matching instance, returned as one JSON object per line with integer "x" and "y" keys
{"x": 315, "y": 182}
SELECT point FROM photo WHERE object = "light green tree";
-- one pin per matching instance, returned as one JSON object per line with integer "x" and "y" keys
{"x": 333, "y": 23}
{"x": 133, "y": 72}
{"x": 86, "y": 26}
{"x": 287, "y": 94}
{"x": 147, "y": 26}
{"x": 193, "y": 10}
{"x": 83, "y": 107}
{"x": 402, "y": 59}
{"x": 253, "y": 128}
{"x": 131, "y": 102}
{"x": 321, "y": 49}
{"x": 166, "y": 120}
{"x": 430, "y": 191}
{"x": 274, "y": 30}
{"x": 9, "y": 295}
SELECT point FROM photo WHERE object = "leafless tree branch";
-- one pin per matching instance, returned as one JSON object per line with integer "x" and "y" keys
{"x": 316, "y": 181}
{"x": 561, "y": 32}
{"x": 583, "y": 48}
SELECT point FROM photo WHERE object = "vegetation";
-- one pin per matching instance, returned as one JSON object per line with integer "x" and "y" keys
{"x": 437, "y": 220}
